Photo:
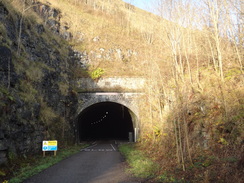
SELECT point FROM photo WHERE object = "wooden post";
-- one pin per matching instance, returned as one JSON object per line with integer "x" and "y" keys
{"x": 55, "y": 153}
{"x": 43, "y": 153}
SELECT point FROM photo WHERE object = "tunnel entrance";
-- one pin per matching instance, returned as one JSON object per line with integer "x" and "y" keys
{"x": 105, "y": 120}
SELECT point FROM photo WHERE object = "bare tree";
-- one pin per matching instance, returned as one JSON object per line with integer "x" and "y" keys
{"x": 25, "y": 7}
{"x": 214, "y": 14}
{"x": 234, "y": 27}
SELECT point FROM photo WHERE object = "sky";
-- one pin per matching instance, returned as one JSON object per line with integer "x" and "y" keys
{"x": 143, "y": 4}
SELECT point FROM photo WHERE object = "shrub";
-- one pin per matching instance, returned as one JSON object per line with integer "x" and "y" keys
{"x": 97, "y": 73}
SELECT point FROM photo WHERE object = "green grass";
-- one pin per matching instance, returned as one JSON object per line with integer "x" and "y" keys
{"x": 140, "y": 165}
{"x": 167, "y": 178}
{"x": 42, "y": 163}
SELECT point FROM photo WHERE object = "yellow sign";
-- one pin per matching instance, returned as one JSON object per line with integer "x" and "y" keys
{"x": 52, "y": 143}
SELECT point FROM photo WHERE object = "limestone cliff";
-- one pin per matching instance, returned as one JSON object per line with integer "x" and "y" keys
{"x": 35, "y": 81}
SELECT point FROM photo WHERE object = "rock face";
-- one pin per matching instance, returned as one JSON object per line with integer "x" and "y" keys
{"x": 118, "y": 84}
{"x": 6, "y": 67}
{"x": 51, "y": 18}
{"x": 35, "y": 87}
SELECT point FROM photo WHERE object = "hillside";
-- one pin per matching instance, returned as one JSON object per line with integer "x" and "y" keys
{"x": 110, "y": 33}
{"x": 192, "y": 112}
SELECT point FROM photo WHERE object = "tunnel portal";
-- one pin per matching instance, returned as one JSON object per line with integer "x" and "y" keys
{"x": 105, "y": 120}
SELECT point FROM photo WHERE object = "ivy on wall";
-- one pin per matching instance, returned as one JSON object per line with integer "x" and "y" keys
{"x": 97, "y": 73}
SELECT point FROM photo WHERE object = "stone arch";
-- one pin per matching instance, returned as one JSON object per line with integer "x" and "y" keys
{"x": 125, "y": 103}
{"x": 129, "y": 103}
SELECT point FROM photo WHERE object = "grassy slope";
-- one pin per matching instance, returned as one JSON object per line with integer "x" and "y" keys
{"x": 117, "y": 27}
{"x": 140, "y": 165}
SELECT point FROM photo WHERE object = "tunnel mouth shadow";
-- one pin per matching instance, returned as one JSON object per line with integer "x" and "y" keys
{"x": 105, "y": 121}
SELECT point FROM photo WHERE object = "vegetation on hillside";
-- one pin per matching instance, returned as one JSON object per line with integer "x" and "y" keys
{"x": 35, "y": 51}
{"x": 198, "y": 102}
{"x": 192, "y": 55}
{"x": 117, "y": 37}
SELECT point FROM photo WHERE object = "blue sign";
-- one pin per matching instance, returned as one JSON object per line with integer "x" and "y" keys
{"x": 50, "y": 145}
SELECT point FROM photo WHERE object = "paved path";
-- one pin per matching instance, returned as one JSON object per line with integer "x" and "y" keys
{"x": 99, "y": 163}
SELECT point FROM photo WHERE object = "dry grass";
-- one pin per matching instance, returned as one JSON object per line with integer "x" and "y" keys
{"x": 210, "y": 119}
{"x": 117, "y": 27}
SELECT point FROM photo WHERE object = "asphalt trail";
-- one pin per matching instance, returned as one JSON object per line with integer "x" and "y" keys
{"x": 99, "y": 163}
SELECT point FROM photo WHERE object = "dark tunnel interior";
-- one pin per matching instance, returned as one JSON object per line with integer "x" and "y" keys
{"x": 105, "y": 120}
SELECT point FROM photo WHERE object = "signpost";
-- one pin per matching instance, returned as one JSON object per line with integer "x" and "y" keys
{"x": 50, "y": 146}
